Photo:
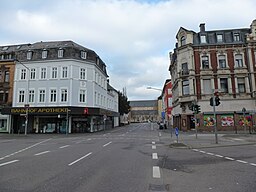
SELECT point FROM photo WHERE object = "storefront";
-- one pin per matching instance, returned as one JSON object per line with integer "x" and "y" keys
{"x": 59, "y": 119}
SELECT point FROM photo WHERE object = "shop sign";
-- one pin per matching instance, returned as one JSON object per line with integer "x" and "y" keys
{"x": 39, "y": 110}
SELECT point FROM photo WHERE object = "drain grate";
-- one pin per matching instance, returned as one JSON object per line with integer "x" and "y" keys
{"x": 158, "y": 188}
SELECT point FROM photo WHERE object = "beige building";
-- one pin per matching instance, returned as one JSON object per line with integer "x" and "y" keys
{"x": 214, "y": 63}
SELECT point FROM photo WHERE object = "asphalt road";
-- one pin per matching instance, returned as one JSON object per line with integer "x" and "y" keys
{"x": 134, "y": 158}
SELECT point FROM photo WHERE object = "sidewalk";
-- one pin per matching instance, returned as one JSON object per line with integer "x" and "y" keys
{"x": 205, "y": 140}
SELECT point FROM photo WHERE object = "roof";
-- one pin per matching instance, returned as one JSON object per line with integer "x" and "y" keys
{"x": 143, "y": 103}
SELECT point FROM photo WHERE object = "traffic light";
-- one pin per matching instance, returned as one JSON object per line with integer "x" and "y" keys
{"x": 197, "y": 109}
{"x": 191, "y": 107}
{"x": 211, "y": 101}
{"x": 217, "y": 101}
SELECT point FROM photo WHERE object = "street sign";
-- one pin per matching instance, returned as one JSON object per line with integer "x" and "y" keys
{"x": 176, "y": 131}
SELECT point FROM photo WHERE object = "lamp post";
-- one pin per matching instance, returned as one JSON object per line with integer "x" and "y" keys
{"x": 163, "y": 106}
{"x": 27, "y": 96}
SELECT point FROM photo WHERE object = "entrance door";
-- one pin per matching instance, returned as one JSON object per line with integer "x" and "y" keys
{"x": 192, "y": 122}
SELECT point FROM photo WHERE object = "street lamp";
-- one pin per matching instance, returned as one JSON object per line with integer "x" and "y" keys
{"x": 163, "y": 106}
{"x": 27, "y": 97}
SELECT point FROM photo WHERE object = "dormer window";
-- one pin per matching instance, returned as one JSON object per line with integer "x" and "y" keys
{"x": 219, "y": 38}
{"x": 29, "y": 55}
{"x": 60, "y": 53}
{"x": 83, "y": 54}
{"x": 203, "y": 38}
{"x": 44, "y": 54}
{"x": 236, "y": 37}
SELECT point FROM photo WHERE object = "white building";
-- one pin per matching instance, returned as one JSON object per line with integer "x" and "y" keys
{"x": 56, "y": 80}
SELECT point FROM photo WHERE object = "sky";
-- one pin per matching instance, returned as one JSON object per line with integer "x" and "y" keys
{"x": 133, "y": 37}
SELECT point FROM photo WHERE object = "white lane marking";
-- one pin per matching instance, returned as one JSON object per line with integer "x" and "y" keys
{"x": 153, "y": 142}
{"x": 240, "y": 161}
{"x": 228, "y": 158}
{"x": 209, "y": 153}
{"x": 153, "y": 147}
{"x": 160, "y": 134}
{"x": 195, "y": 150}
{"x": 154, "y": 156}
{"x": 156, "y": 172}
{"x": 64, "y": 146}
{"x": 202, "y": 151}
{"x": 21, "y": 150}
{"x": 218, "y": 155}
{"x": 41, "y": 153}
{"x": 9, "y": 162}
{"x": 253, "y": 164}
{"x": 89, "y": 139}
{"x": 88, "y": 154}
{"x": 107, "y": 144}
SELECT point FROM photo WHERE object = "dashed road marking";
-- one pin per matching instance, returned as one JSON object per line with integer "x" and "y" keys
{"x": 154, "y": 156}
{"x": 229, "y": 158}
{"x": 41, "y": 153}
{"x": 107, "y": 144}
{"x": 64, "y": 146}
{"x": 240, "y": 161}
{"x": 156, "y": 172}
{"x": 153, "y": 147}
{"x": 9, "y": 162}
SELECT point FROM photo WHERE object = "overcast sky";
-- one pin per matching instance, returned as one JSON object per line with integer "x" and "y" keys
{"x": 133, "y": 37}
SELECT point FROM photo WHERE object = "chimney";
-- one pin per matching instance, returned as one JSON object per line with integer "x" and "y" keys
{"x": 202, "y": 27}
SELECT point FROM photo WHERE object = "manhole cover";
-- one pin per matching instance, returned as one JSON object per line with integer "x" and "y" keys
{"x": 158, "y": 188}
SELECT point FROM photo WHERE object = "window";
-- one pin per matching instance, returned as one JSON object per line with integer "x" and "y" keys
{"x": 44, "y": 54}
{"x": 169, "y": 91}
{"x": 224, "y": 85}
{"x": 169, "y": 102}
{"x": 183, "y": 40}
{"x": 241, "y": 85}
{"x": 82, "y": 96}
{"x": 238, "y": 60}
{"x": 54, "y": 72}
{"x": 31, "y": 97}
{"x": 29, "y": 55}
{"x": 32, "y": 73}
{"x": 185, "y": 87}
{"x": 60, "y": 53}
{"x": 205, "y": 62}
{"x": 222, "y": 61}
{"x": 64, "y": 95}
{"x": 83, "y": 54}
{"x": 64, "y": 72}
{"x": 6, "y": 76}
{"x": 53, "y": 95}
{"x": 23, "y": 74}
{"x": 21, "y": 96}
{"x": 219, "y": 38}
{"x": 207, "y": 86}
{"x": 236, "y": 37}
{"x": 43, "y": 73}
{"x": 3, "y": 96}
{"x": 83, "y": 73}
{"x": 184, "y": 67}
{"x": 203, "y": 38}
{"x": 41, "y": 96}
{"x": 96, "y": 77}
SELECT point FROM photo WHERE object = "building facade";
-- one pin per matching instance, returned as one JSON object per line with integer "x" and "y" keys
{"x": 59, "y": 87}
{"x": 167, "y": 100}
{"x": 144, "y": 111}
{"x": 214, "y": 63}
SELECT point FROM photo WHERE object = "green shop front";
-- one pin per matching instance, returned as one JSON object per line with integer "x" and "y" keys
{"x": 58, "y": 119}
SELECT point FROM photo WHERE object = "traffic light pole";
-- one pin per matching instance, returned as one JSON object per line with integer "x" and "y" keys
{"x": 215, "y": 119}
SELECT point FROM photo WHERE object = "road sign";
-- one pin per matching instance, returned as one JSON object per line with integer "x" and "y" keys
{"x": 176, "y": 131}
